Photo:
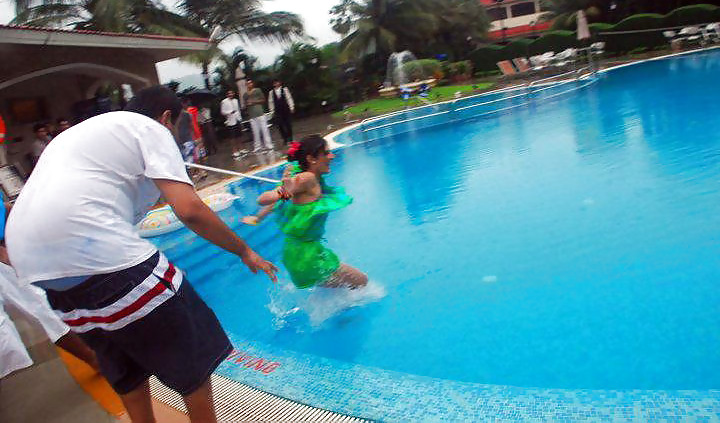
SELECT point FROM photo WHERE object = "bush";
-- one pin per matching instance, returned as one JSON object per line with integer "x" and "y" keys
{"x": 597, "y": 28}
{"x": 484, "y": 59}
{"x": 556, "y": 41}
{"x": 692, "y": 15}
{"x": 459, "y": 70}
{"x": 622, "y": 43}
{"x": 517, "y": 48}
{"x": 421, "y": 69}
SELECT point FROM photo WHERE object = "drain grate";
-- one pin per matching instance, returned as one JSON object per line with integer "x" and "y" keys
{"x": 235, "y": 402}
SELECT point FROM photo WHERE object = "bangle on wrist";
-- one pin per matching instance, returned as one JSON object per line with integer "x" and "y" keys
{"x": 283, "y": 193}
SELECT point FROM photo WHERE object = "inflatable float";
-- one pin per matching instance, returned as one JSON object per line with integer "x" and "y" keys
{"x": 162, "y": 220}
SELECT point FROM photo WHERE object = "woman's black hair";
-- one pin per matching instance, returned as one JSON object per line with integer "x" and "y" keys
{"x": 153, "y": 101}
{"x": 311, "y": 145}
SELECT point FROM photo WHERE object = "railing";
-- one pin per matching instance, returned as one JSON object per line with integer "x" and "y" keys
{"x": 526, "y": 90}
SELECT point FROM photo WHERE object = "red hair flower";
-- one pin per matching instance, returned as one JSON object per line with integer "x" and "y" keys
{"x": 294, "y": 148}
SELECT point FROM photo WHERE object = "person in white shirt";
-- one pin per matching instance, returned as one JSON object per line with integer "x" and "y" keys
{"x": 42, "y": 139}
{"x": 72, "y": 232}
{"x": 31, "y": 303}
{"x": 230, "y": 108}
{"x": 281, "y": 104}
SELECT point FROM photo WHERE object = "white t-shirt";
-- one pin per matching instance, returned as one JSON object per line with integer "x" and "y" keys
{"x": 76, "y": 215}
{"x": 230, "y": 108}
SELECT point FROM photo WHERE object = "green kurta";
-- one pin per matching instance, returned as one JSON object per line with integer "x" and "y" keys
{"x": 304, "y": 255}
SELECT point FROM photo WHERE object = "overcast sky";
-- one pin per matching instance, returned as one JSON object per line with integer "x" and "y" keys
{"x": 315, "y": 14}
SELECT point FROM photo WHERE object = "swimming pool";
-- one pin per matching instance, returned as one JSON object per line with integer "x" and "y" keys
{"x": 558, "y": 260}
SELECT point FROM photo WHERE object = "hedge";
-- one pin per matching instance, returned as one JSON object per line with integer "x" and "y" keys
{"x": 692, "y": 15}
{"x": 485, "y": 58}
{"x": 622, "y": 43}
{"x": 556, "y": 41}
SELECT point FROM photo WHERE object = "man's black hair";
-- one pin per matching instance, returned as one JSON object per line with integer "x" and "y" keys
{"x": 153, "y": 101}
{"x": 39, "y": 126}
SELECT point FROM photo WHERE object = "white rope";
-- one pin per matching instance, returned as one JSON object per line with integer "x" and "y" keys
{"x": 230, "y": 172}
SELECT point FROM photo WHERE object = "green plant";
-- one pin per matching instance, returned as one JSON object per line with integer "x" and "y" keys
{"x": 553, "y": 41}
{"x": 421, "y": 69}
{"x": 624, "y": 42}
{"x": 692, "y": 15}
{"x": 485, "y": 58}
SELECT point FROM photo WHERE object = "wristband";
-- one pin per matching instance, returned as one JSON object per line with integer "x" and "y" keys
{"x": 283, "y": 193}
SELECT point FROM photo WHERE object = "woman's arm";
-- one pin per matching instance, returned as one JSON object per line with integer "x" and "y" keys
{"x": 291, "y": 186}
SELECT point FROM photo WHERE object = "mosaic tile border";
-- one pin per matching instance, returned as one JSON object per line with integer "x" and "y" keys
{"x": 384, "y": 395}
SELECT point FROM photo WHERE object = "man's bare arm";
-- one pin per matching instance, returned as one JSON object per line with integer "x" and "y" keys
{"x": 197, "y": 216}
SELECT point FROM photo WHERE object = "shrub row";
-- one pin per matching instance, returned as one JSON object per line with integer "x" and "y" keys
{"x": 485, "y": 58}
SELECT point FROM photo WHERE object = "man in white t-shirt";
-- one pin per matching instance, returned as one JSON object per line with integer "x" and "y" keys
{"x": 72, "y": 233}
{"x": 230, "y": 108}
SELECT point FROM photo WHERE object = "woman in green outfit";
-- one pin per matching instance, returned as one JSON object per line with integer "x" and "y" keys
{"x": 305, "y": 201}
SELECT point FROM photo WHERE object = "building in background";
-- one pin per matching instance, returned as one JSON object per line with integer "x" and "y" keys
{"x": 514, "y": 18}
{"x": 50, "y": 73}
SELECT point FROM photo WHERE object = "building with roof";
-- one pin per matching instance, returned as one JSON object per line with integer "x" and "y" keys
{"x": 515, "y": 18}
{"x": 51, "y": 73}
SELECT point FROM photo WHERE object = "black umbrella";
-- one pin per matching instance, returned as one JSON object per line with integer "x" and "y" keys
{"x": 200, "y": 96}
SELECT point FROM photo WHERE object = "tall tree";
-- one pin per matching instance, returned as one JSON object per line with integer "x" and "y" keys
{"x": 382, "y": 26}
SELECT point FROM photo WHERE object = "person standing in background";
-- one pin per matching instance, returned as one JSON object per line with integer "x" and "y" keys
{"x": 254, "y": 100}
{"x": 42, "y": 139}
{"x": 230, "y": 108}
{"x": 208, "y": 131}
{"x": 281, "y": 104}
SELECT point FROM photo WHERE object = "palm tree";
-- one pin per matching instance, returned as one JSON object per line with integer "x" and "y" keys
{"x": 243, "y": 18}
{"x": 461, "y": 24}
{"x": 564, "y": 12}
{"x": 143, "y": 16}
{"x": 381, "y": 26}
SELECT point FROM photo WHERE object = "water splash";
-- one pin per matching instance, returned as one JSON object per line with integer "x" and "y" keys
{"x": 302, "y": 308}
{"x": 395, "y": 75}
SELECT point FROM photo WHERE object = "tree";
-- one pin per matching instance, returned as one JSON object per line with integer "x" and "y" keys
{"x": 242, "y": 18}
{"x": 461, "y": 24}
{"x": 312, "y": 73}
{"x": 381, "y": 26}
{"x": 133, "y": 16}
{"x": 564, "y": 12}
{"x": 225, "y": 70}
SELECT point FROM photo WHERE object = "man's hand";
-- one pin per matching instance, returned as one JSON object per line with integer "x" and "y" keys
{"x": 197, "y": 216}
{"x": 254, "y": 262}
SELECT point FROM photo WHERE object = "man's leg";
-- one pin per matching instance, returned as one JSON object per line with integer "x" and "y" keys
{"x": 267, "y": 139}
{"x": 284, "y": 127}
{"x": 200, "y": 404}
{"x": 255, "y": 126}
{"x": 139, "y": 405}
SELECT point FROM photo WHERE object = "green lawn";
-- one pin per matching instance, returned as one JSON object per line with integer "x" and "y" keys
{"x": 378, "y": 106}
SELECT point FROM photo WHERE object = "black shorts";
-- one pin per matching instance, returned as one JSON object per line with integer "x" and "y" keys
{"x": 142, "y": 321}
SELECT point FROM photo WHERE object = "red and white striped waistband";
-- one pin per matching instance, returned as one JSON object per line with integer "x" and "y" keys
{"x": 139, "y": 302}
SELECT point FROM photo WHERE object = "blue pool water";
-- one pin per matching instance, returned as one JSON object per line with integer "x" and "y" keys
{"x": 571, "y": 244}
